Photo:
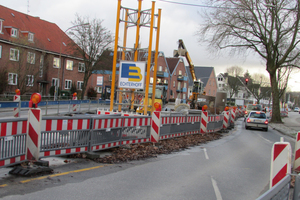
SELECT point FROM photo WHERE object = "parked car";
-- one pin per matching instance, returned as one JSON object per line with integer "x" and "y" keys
{"x": 296, "y": 109}
{"x": 257, "y": 120}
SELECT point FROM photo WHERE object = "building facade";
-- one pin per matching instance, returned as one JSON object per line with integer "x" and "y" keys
{"x": 37, "y": 55}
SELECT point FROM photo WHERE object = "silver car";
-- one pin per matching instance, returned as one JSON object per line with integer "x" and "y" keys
{"x": 257, "y": 119}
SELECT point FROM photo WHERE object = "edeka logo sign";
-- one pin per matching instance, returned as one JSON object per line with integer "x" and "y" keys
{"x": 132, "y": 75}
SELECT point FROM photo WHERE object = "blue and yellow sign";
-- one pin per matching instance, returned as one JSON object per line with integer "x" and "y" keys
{"x": 132, "y": 75}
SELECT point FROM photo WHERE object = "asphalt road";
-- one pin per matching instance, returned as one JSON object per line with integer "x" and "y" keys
{"x": 234, "y": 167}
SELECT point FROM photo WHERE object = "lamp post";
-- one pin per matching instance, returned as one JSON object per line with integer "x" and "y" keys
{"x": 59, "y": 66}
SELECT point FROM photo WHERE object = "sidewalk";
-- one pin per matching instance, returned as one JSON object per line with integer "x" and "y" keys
{"x": 282, "y": 128}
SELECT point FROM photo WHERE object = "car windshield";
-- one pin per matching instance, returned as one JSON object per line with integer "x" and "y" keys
{"x": 260, "y": 115}
{"x": 254, "y": 107}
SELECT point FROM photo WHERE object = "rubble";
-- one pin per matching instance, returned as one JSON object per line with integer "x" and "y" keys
{"x": 147, "y": 150}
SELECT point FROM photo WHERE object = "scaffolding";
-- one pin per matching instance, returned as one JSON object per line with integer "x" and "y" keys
{"x": 130, "y": 98}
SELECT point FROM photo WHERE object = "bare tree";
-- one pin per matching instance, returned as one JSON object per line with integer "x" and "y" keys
{"x": 259, "y": 86}
{"x": 234, "y": 84}
{"x": 268, "y": 28}
{"x": 92, "y": 40}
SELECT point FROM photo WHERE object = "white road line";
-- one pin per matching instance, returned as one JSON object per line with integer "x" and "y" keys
{"x": 264, "y": 138}
{"x": 217, "y": 191}
{"x": 205, "y": 153}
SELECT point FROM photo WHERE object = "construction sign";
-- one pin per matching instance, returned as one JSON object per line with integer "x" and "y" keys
{"x": 132, "y": 75}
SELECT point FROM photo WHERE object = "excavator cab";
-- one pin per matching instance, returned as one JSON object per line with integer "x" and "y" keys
{"x": 197, "y": 87}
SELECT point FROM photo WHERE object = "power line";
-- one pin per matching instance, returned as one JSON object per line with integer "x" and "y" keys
{"x": 195, "y": 5}
{"x": 220, "y": 7}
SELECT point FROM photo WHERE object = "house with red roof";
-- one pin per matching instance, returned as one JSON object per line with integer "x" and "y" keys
{"x": 178, "y": 78}
{"x": 37, "y": 55}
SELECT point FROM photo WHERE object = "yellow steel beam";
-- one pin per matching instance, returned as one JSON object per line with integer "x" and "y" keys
{"x": 112, "y": 94}
{"x": 155, "y": 60}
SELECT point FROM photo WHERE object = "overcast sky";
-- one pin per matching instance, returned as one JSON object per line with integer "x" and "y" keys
{"x": 177, "y": 22}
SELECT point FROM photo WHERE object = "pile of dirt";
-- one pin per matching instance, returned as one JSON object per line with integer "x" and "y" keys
{"x": 147, "y": 150}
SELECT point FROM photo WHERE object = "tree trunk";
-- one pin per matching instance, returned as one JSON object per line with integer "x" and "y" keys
{"x": 276, "y": 118}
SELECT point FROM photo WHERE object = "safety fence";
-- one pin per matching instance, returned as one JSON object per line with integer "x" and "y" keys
{"x": 282, "y": 169}
{"x": 64, "y": 135}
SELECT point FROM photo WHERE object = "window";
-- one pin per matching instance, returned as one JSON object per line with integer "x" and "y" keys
{"x": 68, "y": 84}
{"x": 98, "y": 89}
{"x": 183, "y": 96}
{"x": 151, "y": 80}
{"x": 179, "y": 72}
{"x": 56, "y": 62}
{"x": 30, "y": 37}
{"x": 158, "y": 80}
{"x": 41, "y": 70}
{"x": 174, "y": 83}
{"x": 14, "y": 54}
{"x": 30, "y": 80}
{"x": 79, "y": 85}
{"x": 1, "y": 25}
{"x": 166, "y": 82}
{"x": 160, "y": 68}
{"x": 69, "y": 65}
{"x": 14, "y": 32}
{"x": 55, "y": 82}
{"x": 12, "y": 79}
{"x": 178, "y": 86}
{"x": 81, "y": 67}
{"x": 110, "y": 78}
{"x": 30, "y": 57}
{"x": 0, "y": 51}
{"x": 166, "y": 70}
{"x": 184, "y": 85}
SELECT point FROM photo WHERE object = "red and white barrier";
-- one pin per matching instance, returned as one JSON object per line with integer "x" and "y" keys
{"x": 105, "y": 112}
{"x": 172, "y": 119}
{"x": 190, "y": 119}
{"x": 13, "y": 128}
{"x": 297, "y": 153}
{"x": 136, "y": 122}
{"x": 232, "y": 116}
{"x": 16, "y": 111}
{"x": 226, "y": 119}
{"x": 8, "y": 130}
{"x": 204, "y": 122}
{"x": 107, "y": 123}
{"x": 155, "y": 126}
{"x": 65, "y": 124}
{"x": 280, "y": 161}
{"x": 74, "y": 107}
{"x": 33, "y": 134}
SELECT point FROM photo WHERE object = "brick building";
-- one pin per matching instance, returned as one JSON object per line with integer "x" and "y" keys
{"x": 208, "y": 77}
{"x": 178, "y": 79}
{"x": 37, "y": 54}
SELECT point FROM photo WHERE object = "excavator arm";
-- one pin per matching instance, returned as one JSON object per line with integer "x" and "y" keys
{"x": 182, "y": 51}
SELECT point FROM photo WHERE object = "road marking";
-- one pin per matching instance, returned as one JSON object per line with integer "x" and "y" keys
{"x": 264, "y": 138}
{"x": 4, "y": 185}
{"x": 205, "y": 153}
{"x": 62, "y": 174}
{"x": 217, "y": 191}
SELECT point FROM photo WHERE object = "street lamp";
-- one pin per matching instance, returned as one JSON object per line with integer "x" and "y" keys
{"x": 59, "y": 67}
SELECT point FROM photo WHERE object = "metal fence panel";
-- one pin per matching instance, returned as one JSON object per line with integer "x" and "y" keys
{"x": 279, "y": 192}
{"x": 12, "y": 141}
